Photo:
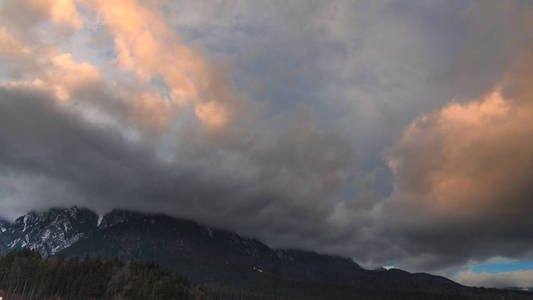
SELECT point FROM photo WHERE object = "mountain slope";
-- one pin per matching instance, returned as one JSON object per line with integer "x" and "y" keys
{"x": 48, "y": 232}
{"x": 217, "y": 256}
{"x": 204, "y": 253}
{"x": 222, "y": 259}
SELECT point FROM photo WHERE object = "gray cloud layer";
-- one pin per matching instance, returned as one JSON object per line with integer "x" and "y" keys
{"x": 294, "y": 125}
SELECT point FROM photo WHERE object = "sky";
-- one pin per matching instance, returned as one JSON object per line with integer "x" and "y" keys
{"x": 394, "y": 132}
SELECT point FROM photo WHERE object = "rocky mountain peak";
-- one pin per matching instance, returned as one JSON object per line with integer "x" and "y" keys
{"x": 48, "y": 232}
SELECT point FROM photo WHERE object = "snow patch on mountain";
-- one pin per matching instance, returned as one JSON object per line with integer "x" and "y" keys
{"x": 48, "y": 232}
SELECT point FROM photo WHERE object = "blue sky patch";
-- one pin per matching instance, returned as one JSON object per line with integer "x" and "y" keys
{"x": 507, "y": 266}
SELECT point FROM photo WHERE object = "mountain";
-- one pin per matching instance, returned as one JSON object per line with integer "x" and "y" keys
{"x": 214, "y": 257}
{"x": 206, "y": 254}
{"x": 48, "y": 232}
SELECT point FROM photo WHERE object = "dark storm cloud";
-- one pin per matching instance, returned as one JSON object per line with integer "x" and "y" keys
{"x": 44, "y": 139}
{"x": 97, "y": 166}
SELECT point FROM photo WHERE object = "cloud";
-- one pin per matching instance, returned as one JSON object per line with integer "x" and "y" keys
{"x": 22, "y": 16}
{"x": 15, "y": 58}
{"x": 69, "y": 75}
{"x": 463, "y": 172}
{"x": 467, "y": 158}
{"x": 520, "y": 279}
{"x": 103, "y": 168}
{"x": 9, "y": 45}
{"x": 148, "y": 47}
{"x": 59, "y": 74}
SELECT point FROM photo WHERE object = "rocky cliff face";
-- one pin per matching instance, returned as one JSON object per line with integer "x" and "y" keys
{"x": 48, "y": 232}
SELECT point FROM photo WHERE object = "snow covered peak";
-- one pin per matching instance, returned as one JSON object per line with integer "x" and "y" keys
{"x": 49, "y": 231}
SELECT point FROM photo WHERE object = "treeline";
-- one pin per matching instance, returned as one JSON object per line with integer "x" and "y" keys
{"x": 25, "y": 274}
{"x": 317, "y": 291}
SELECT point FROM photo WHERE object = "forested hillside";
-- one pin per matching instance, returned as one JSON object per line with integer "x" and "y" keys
{"x": 25, "y": 274}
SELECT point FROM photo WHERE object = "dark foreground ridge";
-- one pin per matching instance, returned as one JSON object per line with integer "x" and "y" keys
{"x": 224, "y": 263}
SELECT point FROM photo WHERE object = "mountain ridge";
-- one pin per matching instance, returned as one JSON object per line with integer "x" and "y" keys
{"x": 207, "y": 255}
{"x": 48, "y": 232}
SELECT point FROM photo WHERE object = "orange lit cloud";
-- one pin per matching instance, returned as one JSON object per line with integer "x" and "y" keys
{"x": 11, "y": 46}
{"x": 32, "y": 62}
{"x": 59, "y": 12}
{"x": 146, "y": 46}
{"x": 473, "y": 158}
{"x": 211, "y": 114}
{"x": 63, "y": 12}
{"x": 467, "y": 157}
{"x": 67, "y": 75}
{"x": 62, "y": 76}
{"x": 152, "y": 109}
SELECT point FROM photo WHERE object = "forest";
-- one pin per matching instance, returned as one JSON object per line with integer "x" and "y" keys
{"x": 24, "y": 274}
